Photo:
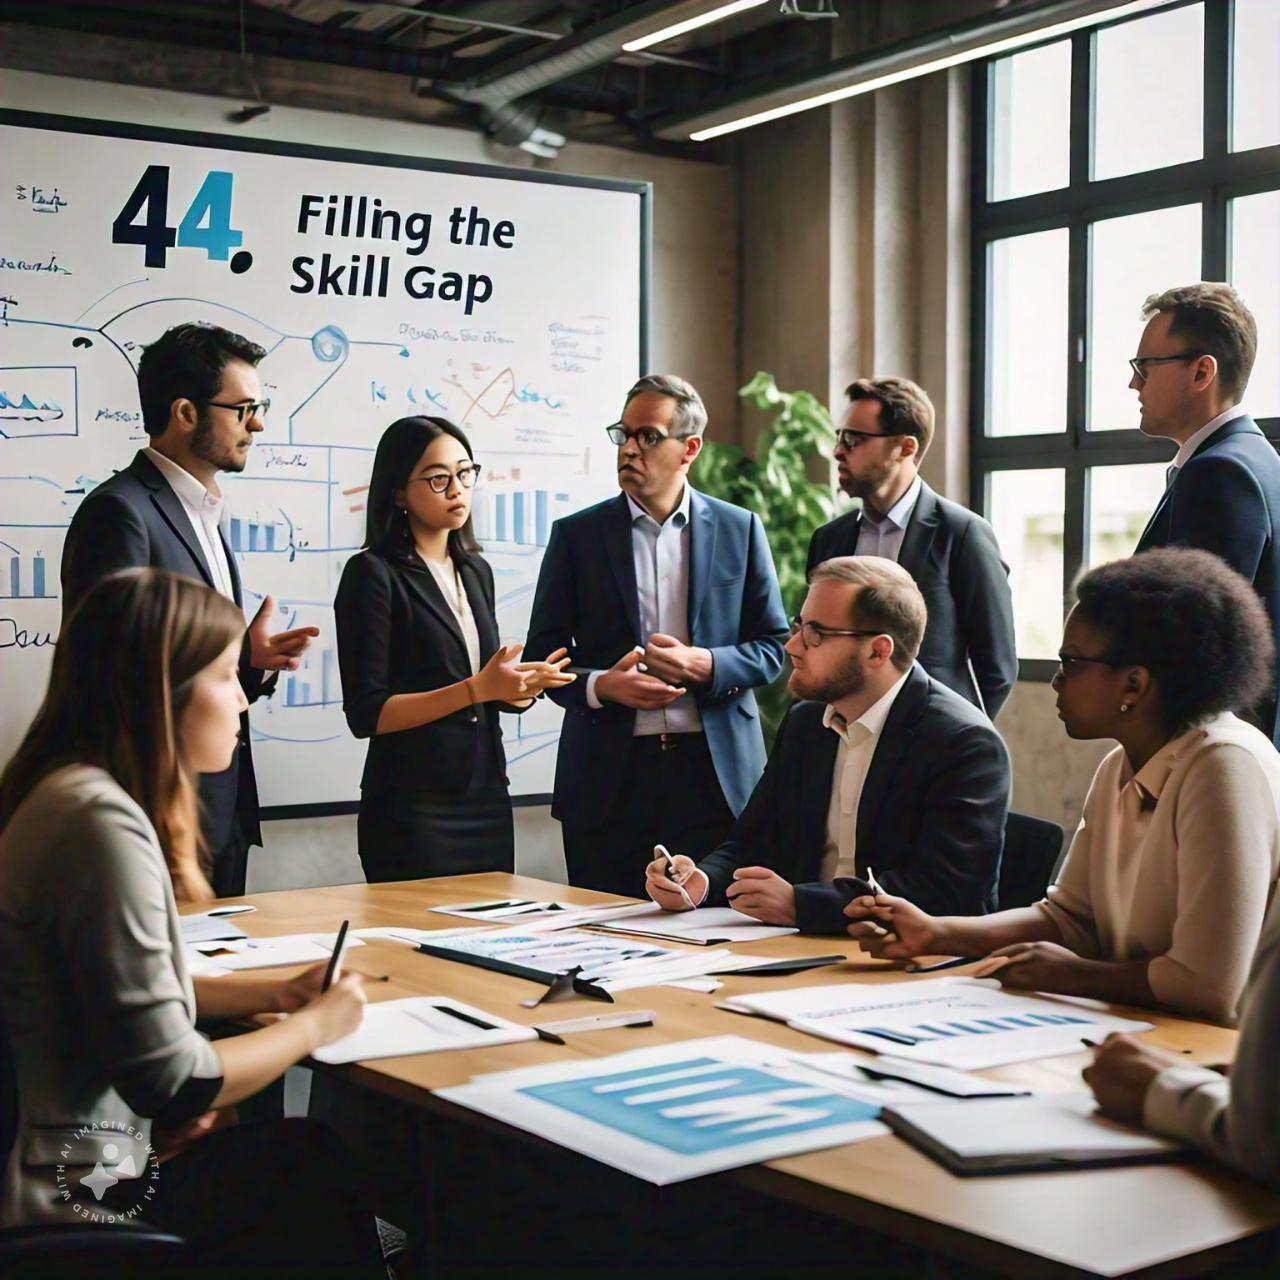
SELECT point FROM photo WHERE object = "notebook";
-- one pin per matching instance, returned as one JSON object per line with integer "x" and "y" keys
{"x": 1021, "y": 1135}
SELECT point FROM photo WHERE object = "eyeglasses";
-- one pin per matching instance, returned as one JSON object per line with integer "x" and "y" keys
{"x": 465, "y": 476}
{"x": 1067, "y": 662}
{"x": 245, "y": 409}
{"x": 646, "y": 437}
{"x": 1139, "y": 363}
{"x": 812, "y": 634}
{"x": 847, "y": 437}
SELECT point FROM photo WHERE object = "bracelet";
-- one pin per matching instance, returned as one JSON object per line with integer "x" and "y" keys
{"x": 471, "y": 693}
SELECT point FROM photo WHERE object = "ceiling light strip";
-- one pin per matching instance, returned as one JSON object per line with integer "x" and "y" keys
{"x": 718, "y": 14}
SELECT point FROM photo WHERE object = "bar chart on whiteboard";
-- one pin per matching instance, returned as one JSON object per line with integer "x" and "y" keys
{"x": 514, "y": 308}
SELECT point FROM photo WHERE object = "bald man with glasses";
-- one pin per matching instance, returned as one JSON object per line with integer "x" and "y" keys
{"x": 667, "y": 602}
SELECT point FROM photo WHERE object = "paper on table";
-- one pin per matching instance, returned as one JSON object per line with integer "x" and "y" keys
{"x": 676, "y": 1111}
{"x": 706, "y": 924}
{"x": 265, "y": 953}
{"x": 421, "y": 1024}
{"x": 954, "y": 1022}
{"x": 209, "y": 928}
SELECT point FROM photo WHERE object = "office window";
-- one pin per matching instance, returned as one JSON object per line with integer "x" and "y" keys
{"x": 1131, "y": 157}
{"x": 1026, "y": 509}
{"x": 1255, "y": 75}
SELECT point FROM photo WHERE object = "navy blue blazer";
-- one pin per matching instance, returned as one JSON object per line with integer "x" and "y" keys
{"x": 587, "y": 601}
{"x": 135, "y": 520}
{"x": 955, "y": 559}
{"x": 1226, "y": 499}
{"x": 930, "y": 818}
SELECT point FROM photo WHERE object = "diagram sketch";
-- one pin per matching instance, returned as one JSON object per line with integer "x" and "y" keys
{"x": 337, "y": 371}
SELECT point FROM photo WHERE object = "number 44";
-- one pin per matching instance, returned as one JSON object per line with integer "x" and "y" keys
{"x": 205, "y": 225}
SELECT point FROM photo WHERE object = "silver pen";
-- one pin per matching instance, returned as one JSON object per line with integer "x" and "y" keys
{"x": 660, "y": 851}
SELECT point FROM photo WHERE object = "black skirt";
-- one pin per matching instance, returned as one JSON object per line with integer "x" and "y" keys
{"x": 408, "y": 834}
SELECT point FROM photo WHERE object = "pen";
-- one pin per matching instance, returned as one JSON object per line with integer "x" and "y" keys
{"x": 916, "y": 967}
{"x": 336, "y": 958}
{"x": 660, "y": 851}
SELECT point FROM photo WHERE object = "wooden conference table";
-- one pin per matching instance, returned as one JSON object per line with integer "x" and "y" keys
{"x": 1152, "y": 1221}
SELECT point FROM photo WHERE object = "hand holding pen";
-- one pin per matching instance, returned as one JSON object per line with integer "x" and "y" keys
{"x": 667, "y": 876}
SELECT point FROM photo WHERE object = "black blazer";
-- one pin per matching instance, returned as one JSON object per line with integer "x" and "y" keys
{"x": 1226, "y": 499}
{"x": 397, "y": 634}
{"x": 930, "y": 819}
{"x": 135, "y": 520}
{"x": 955, "y": 559}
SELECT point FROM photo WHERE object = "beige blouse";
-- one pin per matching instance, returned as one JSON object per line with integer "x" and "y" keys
{"x": 1177, "y": 864}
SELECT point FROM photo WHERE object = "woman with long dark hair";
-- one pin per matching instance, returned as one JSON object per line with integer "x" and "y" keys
{"x": 118, "y": 1093}
{"x": 423, "y": 673}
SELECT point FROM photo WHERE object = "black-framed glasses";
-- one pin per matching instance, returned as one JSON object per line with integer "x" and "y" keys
{"x": 441, "y": 480}
{"x": 847, "y": 437}
{"x": 646, "y": 437}
{"x": 1139, "y": 363}
{"x": 245, "y": 409}
{"x": 1067, "y": 662}
{"x": 812, "y": 634}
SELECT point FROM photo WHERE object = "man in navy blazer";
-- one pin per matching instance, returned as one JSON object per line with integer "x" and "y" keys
{"x": 1223, "y": 495}
{"x": 201, "y": 404}
{"x": 881, "y": 776}
{"x": 668, "y": 604}
{"x": 950, "y": 551}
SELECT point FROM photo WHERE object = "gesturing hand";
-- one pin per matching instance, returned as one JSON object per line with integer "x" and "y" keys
{"x": 501, "y": 678}
{"x": 548, "y": 674}
{"x": 279, "y": 652}
{"x": 683, "y": 664}
{"x": 624, "y": 684}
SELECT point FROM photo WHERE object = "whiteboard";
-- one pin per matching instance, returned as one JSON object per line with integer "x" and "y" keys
{"x": 377, "y": 293}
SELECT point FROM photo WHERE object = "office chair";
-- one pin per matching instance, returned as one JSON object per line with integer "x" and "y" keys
{"x": 1031, "y": 849}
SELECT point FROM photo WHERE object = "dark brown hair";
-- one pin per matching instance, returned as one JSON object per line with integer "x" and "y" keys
{"x": 123, "y": 671}
{"x": 888, "y": 600}
{"x": 186, "y": 363}
{"x": 905, "y": 408}
{"x": 1212, "y": 320}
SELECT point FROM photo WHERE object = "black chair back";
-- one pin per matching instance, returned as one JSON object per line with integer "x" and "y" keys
{"x": 1031, "y": 849}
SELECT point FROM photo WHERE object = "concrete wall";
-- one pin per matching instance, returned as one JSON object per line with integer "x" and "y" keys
{"x": 695, "y": 293}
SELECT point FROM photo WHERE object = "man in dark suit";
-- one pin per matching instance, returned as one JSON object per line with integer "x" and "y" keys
{"x": 950, "y": 552}
{"x": 669, "y": 607}
{"x": 1223, "y": 495}
{"x": 201, "y": 404}
{"x": 882, "y": 776}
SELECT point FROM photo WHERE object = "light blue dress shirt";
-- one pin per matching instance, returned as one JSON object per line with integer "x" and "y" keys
{"x": 661, "y": 556}
{"x": 884, "y": 537}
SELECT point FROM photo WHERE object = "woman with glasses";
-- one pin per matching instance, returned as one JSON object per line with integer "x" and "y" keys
{"x": 423, "y": 672}
{"x": 1162, "y": 896}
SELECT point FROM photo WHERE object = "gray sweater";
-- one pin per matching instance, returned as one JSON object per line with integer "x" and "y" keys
{"x": 95, "y": 995}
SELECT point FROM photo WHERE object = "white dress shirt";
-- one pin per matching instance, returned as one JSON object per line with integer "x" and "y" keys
{"x": 205, "y": 510}
{"x": 1197, "y": 438}
{"x": 883, "y": 537}
{"x": 661, "y": 556}
{"x": 450, "y": 583}
{"x": 858, "y": 742}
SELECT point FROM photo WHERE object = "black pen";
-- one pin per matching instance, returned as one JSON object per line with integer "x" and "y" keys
{"x": 336, "y": 958}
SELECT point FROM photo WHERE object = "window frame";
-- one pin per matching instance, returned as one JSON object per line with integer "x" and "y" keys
{"x": 1213, "y": 181}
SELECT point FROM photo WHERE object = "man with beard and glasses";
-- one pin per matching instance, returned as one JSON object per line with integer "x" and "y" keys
{"x": 667, "y": 602}
{"x": 879, "y": 776}
{"x": 201, "y": 405}
{"x": 950, "y": 552}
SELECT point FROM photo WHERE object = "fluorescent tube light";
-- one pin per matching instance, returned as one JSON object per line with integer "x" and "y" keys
{"x": 938, "y": 63}
{"x": 718, "y": 14}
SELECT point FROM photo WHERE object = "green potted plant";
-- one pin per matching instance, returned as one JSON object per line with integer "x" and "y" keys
{"x": 775, "y": 485}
